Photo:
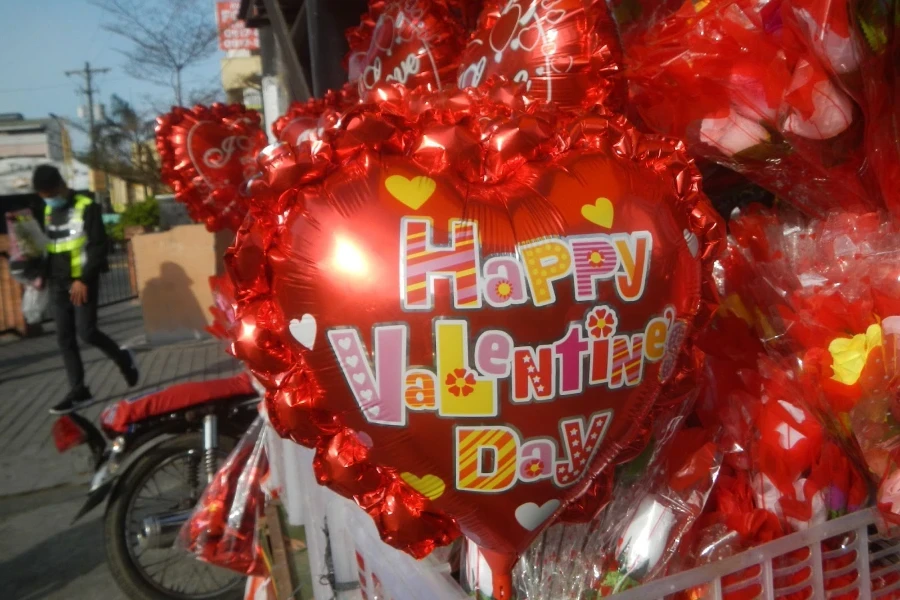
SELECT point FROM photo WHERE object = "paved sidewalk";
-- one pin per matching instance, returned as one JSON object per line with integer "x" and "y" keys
{"x": 32, "y": 379}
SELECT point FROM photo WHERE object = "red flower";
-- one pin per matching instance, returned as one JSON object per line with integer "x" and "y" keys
{"x": 601, "y": 322}
{"x": 461, "y": 382}
{"x": 534, "y": 467}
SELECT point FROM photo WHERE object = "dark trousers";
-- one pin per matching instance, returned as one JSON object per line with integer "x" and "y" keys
{"x": 81, "y": 320}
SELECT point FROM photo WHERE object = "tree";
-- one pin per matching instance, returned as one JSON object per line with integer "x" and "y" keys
{"x": 167, "y": 37}
{"x": 125, "y": 145}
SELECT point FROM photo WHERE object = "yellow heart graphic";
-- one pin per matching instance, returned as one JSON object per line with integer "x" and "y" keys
{"x": 599, "y": 213}
{"x": 412, "y": 192}
{"x": 430, "y": 486}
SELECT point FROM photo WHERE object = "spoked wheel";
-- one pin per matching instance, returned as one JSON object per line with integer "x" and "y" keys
{"x": 144, "y": 519}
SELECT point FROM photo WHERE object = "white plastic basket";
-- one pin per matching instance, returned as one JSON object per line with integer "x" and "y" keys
{"x": 849, "y": 541}
{"x": 821, "y": 555}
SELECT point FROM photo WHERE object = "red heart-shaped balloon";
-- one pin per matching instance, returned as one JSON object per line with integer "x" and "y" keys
{"x": 206, "y": 156}
{"x": 413, "y": 43}
{"x": 495, "y": 347}
{"x": 304, "y": 121}
{"x": 562, "y": 51}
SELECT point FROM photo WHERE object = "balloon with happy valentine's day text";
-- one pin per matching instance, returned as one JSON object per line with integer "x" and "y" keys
{"x": 473, "y": 327}
{"x": 413, "y": 43}
{"x": 561, "y": 51}
{"x": 207, "y": 153}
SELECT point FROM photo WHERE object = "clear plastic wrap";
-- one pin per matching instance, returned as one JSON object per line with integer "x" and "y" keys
{"x": 822, "y": 294}
{"x": 224, "y": 529}
{"x": 34, "y": 303}
{"x": 27, "y": 247}
{"x": 794, "y": 94}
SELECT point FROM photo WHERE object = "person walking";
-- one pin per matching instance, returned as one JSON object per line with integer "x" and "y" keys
{"x": 76, "y": 252}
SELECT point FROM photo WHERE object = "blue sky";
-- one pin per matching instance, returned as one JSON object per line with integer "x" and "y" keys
{"x": 44, "y": 38}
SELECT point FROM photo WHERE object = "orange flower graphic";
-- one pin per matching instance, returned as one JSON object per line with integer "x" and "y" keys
{"x": 461, "y": 382}
{"x": 601, "y": 323}
{"x": 595, "y": 258}
{"x": 504, "y": 289}
{"x": 534, "y": 467}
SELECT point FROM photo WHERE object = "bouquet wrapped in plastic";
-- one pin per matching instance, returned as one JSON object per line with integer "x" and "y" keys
{"x": 791, "y": 93}
{"x": 224, "y": 529}
{"x": 656, "y": 499}
{"x": 27, "y": 247}
{"x": 823, "y": 293}
{"x": 27, "y": 252}
{"x": 786, "y": 468}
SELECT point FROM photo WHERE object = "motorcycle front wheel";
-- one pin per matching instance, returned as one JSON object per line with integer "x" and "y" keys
{"x": 165, "y": 482}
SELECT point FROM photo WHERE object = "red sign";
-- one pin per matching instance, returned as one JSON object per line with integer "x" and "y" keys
{"x": 233, "y": 33}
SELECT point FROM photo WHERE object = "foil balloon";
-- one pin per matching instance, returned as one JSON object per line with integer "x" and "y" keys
{"x": 359, "y": 38}
{"x": 561, "y": 51}
{"x": 222, "y": 309}
{"x": 472, "y": 320}
{"x": 413, "y": 43}
{"x": 207, "y": 153}
{"x": 305, "y": 121}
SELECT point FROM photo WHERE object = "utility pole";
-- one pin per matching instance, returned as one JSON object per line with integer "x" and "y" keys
{"x": 88, "y": 90}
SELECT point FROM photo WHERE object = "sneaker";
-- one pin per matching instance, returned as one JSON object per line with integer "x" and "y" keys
{"x": 72, "y": 401}
{"x": 130, "y": 371}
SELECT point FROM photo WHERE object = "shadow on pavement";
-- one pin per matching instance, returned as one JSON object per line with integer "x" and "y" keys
{"x": 54, "y": 562}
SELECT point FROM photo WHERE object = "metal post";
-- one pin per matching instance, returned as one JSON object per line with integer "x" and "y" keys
{"x": 296, "y": 80}
{"x": 313, "y": 26}
{"x": 326, "y": 23}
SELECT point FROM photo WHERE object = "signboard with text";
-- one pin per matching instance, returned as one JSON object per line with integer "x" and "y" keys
{"x": 234, "y": 34}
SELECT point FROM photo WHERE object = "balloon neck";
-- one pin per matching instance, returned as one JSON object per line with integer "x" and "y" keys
{"x": 501, "y": 565}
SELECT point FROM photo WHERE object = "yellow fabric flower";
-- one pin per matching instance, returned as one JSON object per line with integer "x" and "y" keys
{"x": 849, "y": 355}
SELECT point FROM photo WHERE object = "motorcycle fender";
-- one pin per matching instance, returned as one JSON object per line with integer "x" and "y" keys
{"x": 159, "y": 441}
{"x": 106, "y": 479}
{"x": 97, "y": 495}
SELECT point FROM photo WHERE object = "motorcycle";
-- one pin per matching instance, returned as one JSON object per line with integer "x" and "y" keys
{"x": 153, "y": 456}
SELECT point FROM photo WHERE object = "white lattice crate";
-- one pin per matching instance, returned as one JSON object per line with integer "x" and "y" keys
{"x": 842, "y": 558}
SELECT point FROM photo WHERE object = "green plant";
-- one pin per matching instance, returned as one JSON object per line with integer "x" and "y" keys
{"x": 140, "y": 214}
{"x": 115, "y": 232}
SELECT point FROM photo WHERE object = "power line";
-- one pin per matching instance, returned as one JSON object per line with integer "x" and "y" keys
{"x": 38, "y": 88}
{"x": 33, "y": 89}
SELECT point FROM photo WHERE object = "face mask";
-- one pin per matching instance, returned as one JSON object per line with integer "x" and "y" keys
{"x": 56, "y": 202}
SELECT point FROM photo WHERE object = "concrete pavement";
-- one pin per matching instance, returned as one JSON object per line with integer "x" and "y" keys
{"x": 32, "y": 379}
{"x": 43, "y": 558}
{"x": 41, "y": 555}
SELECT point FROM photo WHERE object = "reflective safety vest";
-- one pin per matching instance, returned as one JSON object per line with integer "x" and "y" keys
{"x": 70, "y": 236}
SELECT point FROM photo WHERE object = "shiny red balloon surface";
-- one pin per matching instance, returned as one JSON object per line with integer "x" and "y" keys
{"x": 471, "y": 310}
{"x": 561, "y": 51}
{"x": 207, "y": 153}
{"x": 413, "y": 43}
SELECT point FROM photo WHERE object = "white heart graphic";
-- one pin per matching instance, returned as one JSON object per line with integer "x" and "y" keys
{"x": 344, "y": 343}
{"x": 304, "y": 330}
{"x": 353, "y": 361}
{"x": 366, "y": 395}
{"x": 373, "y": 410}
{"x": 360, "y": 378}
{"x": 693, "y": 243}
{"x": 530, "y": 515}
{"x": 365, "y": 439}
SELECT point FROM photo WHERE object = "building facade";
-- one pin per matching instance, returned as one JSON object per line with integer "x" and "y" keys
{"x": 41, "y": 138}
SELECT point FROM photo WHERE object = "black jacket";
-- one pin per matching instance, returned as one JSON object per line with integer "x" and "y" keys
{"x": 60, "y": 265}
